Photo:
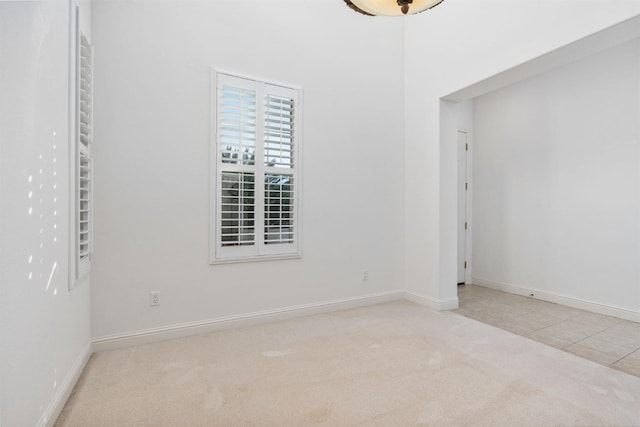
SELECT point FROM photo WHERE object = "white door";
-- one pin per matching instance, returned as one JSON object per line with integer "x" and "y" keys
{"x": 462, "y": 205}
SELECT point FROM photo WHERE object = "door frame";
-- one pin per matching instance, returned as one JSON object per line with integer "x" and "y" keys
{"x": 468, "y": 206}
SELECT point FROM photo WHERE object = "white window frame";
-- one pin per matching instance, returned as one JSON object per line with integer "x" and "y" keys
{"x": 259, "y": 251}
{"x": 80, "y": 160}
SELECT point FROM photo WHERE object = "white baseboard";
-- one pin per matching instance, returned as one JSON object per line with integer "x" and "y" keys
{"x": 60, "y": 399}
{"x": 609, "y": 310}
{"x": 439, "y": 305}
{"x": 118, "y": 341}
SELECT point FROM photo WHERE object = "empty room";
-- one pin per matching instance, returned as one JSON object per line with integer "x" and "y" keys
{"x": 445, "y": 230}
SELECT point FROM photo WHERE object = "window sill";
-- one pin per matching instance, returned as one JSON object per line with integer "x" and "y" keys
{"x": 254, "y": 259}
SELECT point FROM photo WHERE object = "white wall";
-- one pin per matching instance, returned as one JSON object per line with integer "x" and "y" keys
{"x": 448, "y": 48}
{"x": 557, "y": 184}
{"x": 44, "y": 328}
{"x": 151, "y": 153}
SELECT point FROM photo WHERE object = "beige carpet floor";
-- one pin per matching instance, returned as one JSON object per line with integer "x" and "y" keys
{"x": 394, "y": 364}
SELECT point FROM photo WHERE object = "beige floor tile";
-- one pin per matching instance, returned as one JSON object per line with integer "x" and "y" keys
{"x": 630, "y": 364}
{"x": 597, "y": 320}
{"x": 538, "y": 320}
{"x": 532, "y": 304}
{"x": 481, "y": 316}
{"x": 626, "y": 334}
{"x": 510, "y": 298}
{"x": 506, "y": 313}
{"x": 603, "y": 358}
{"x": 560, "y": 311}
{"x": 522, "y": 325}
{"x": 491, "y": 303}
{"x": 558, "y": 336}
{"x": 518, "y": 328}
{"x": 599, "y": 350}
{"x": 584, "y": 325}
{"x": 475, "y": 305}
{"x": 602, "y": 339}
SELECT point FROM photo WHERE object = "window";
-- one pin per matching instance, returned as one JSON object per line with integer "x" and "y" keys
{"x": 256, "y": 179}
{"x": 80, "y": 152}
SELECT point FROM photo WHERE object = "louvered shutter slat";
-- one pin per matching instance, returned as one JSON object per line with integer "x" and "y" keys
{"x": 236, "y": 125}
{"x": 278, "y": 125}
{"x": 237, "y": 209}
{"x": 279, "y": 206}
{"x": 84, "y": 207}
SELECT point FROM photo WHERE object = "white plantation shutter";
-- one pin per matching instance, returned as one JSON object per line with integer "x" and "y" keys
{"x": 237, "y": 121}
{"x": 279, "y": 212}
{"x": 84, "y": 138}
{"x": 237, "y": 209}
{"x": 255, "y": 205}
{"x": 278, "y": 133}
{"x": 280, "y": 191}
{"x": 84, "y": 208}
{"x": 85, "y": 86}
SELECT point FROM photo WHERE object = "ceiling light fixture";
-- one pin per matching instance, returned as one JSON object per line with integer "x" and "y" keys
{"x": 391, "y": 7}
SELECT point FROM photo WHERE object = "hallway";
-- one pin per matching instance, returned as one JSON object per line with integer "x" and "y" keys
{"x": 602, "y": 339}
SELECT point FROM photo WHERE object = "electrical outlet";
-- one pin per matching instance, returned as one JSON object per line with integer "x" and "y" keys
{"x": 365, "y": 275}
{"x": 155, "y": 299}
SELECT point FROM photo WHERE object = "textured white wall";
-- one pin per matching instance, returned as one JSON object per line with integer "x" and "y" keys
{"x": 44, "y": 328}
{"x": 152, "y": 122}
{"x": 557, "y": 184}
{"x": 448, "y": 48}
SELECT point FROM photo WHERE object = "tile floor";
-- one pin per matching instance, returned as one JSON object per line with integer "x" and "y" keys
{"x": 603, "y": 339}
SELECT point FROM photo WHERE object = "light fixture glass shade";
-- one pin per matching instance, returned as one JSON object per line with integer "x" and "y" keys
{"x": 392, "y": 8}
